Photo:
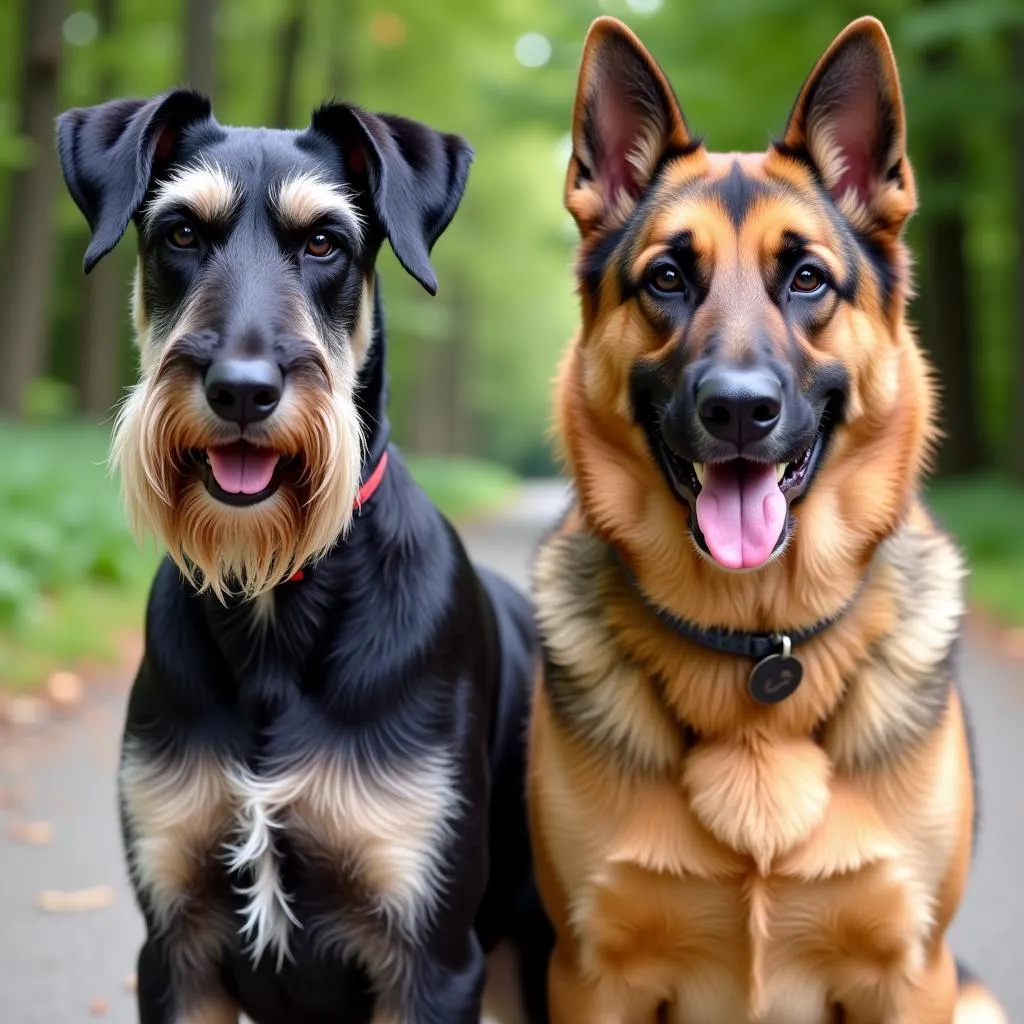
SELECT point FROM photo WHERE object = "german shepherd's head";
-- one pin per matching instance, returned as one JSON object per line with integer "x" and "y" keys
{"x": 744, "y": 393}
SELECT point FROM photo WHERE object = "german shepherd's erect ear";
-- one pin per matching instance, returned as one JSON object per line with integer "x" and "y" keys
{"x": 848, "y": 121}
{"x": 625, "y": 122}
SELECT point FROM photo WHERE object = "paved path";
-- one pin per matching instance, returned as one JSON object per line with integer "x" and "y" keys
{"x": 53, "y": 966}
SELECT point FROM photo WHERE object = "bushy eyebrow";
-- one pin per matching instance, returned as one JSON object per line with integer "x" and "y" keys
{"x": 203, "y": 189}
{"x": 302, "y": 200}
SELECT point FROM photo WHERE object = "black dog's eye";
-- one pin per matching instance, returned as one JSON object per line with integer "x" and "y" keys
{"x": 808, "y": 280}
{"x": 666, "y": 279}
{"x": 321, "y": 245}
{"x": 182, "y": 236}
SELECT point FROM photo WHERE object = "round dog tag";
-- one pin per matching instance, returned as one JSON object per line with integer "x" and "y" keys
{"x": 774, "y": 678}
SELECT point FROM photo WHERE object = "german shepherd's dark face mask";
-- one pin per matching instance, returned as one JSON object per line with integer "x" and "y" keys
{"x": 743, "y": 342}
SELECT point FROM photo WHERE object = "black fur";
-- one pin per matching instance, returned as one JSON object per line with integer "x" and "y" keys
{"x": 390, "y": 650}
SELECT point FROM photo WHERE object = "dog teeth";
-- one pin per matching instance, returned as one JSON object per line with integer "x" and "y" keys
{"x": 780, "y": 470}
{"x": 698, "y": 468}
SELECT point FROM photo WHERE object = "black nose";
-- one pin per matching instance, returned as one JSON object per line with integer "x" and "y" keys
{"x": 243, "y": 390}
{"x": 740, "y": 405}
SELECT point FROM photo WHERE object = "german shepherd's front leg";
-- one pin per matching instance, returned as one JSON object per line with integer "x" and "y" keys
{"x": 931, "y": 998}
{"x": 576, "y": 999}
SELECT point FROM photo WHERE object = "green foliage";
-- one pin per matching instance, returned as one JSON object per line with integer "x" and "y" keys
{"x": 462, "y": 487}
{"x": 504, "y": 264}
{"x": 985, "y": 514}
{"x": 61, "y": 521}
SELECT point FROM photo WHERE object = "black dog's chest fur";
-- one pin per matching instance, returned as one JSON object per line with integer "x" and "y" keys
{"x": 305, "y": 780}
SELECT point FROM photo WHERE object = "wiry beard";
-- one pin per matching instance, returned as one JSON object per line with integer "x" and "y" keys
{"x": 240, "y": 551}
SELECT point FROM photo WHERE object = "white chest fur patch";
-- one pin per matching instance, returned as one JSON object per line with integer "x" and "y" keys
{"x": 391, "y": 828}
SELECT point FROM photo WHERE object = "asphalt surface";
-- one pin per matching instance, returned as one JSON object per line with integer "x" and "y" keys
{"x": 58, "y": 968}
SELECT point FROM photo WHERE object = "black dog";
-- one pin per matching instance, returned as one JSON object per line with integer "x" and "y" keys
{"x": 322, "y": 778}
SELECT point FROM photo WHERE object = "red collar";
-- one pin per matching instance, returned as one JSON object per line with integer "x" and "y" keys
{"x": 366, "y": 491}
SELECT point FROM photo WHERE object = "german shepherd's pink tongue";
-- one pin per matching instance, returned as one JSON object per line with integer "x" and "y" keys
{"x": 741, "y": 512}
{"x": 240, "y": 468}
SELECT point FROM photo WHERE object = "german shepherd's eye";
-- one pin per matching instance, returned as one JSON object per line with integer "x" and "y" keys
{"x": 665, "y": 278}
{"x": 182, "y": 236}
{"x": 321, "y": 245}
{"x": 808, "y": 280}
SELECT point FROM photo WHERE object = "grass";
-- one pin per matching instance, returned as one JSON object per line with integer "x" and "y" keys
{"x": 72, "y": 580}
{"x": 462, "y": 487}
{"x": 986, "y": 514}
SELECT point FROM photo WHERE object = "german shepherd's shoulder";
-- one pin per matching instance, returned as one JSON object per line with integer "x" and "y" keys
{"x": 751, "y": 786}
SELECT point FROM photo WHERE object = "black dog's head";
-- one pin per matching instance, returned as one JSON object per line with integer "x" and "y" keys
{"x": 242, "y": 443}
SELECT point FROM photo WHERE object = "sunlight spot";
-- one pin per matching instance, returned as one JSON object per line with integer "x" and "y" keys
{"x": 81, "y": 28}
{"x": 387, "y": 30}
{"x": 533, "y": 50}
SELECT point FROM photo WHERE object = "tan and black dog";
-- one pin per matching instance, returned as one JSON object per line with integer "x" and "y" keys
{"x": 750, "y": 779}
{"x": 321, "y": 778}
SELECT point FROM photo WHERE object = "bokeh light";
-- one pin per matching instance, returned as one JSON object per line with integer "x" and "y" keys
{"x": 533, "y": 50}
{"x": 81, "y": 28}
{"x": 387, "y": 30}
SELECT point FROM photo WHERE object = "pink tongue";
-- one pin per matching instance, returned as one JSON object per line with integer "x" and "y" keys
{"x": 240, "y": 468}
{"x": 741, "y": 513}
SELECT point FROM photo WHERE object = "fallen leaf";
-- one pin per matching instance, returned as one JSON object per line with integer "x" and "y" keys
{"x": 1014, "y": 642}
{"x": 54, "y": 901}
{"x": 31, "y": 833}
{"x": 99, "y": 1007}
{"x": 65, "y": 690}
{"x": 131, "y": 982}
{"x": 25, "y": 711}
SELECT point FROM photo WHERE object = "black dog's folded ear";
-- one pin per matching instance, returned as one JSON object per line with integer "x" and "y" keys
{"x": 109, "y": 154}
{"x": 414, "y": 176}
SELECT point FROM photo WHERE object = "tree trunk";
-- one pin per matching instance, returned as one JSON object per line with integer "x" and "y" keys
{"x": 945, "y": 311}
{"x": 344, "y": 22}
{"x": 25, "y": 292}
{"x": 459, "y": 352}
{"x": 200, "y": 65}
{"x": 1017, "y": 141}
{"x": 99, "y": 363}
{"x": 429, "y": 399}
{"x": 291, "y": 38}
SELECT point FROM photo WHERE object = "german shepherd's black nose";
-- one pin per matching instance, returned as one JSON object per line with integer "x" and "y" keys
{"x": 243, "y": 390}
{"x": 739, "y": 405}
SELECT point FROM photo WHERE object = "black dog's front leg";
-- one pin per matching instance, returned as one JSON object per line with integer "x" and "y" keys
{"x": 167, "y": 996}
{"x": 435, "y": 991}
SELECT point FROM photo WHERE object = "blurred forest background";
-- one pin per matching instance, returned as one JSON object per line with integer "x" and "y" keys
{"x": 471, "y": 369}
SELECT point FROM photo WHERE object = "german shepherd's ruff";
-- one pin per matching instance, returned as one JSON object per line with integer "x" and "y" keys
{"x": 321, "y": 783}
{"x": 747, "y": 417}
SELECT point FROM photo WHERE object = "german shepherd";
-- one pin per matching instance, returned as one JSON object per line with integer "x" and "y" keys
{"x": 751, "y": 785}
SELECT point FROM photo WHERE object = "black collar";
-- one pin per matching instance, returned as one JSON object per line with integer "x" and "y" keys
{"x": 777, "y": 672}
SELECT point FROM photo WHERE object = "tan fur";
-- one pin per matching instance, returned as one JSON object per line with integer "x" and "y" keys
{"x": 305, "y": 199}
{"x": 383, "y": 832}
{"x": 213, "y": 1012}
{"x": 204, "y": 190}
{"x": 179, "y": 814}
{"x": 976, "y": 1006}
{"x": 706, "y": 859}
{"x": 242, "y": 550}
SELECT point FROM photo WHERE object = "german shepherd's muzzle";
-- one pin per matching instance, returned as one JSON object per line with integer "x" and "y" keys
{"x": 738, "y": 421}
